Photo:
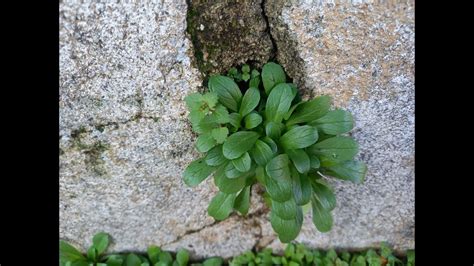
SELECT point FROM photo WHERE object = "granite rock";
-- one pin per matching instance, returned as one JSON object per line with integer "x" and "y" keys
{"x": 362, "y": 54}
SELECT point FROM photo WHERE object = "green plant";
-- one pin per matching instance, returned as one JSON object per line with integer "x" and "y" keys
{"x": 266, "y": 134}
{"x": 245, "y": 75}
{"x": 299, "y": 254}
{"x": 70, "y": 256}
{"x": 294, "y": 254}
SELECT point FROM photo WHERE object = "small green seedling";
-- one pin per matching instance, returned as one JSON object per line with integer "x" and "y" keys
{"x": 295, "y": 254}
{"x": 70, "y": 256}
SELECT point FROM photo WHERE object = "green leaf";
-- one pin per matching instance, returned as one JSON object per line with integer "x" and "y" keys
{"x": 254, "y": 82}
{"x": 285, "y": 210}
{"x": 252, "y": 120}
{"x": 210, "y": 99}
{"x": 278, "y": 103}
{"x": 261, "y": 153}
{"x": 220, "y": 134}
{"x": 287, "y": 230}
{"x": 334, "y": 122}
{"x": 294, "y": 89}
{"x": 242, "y": 202}
{"x": 301, "y": 187}
{"x": 278, "y": 179}
{"x": 229, "y": 185}
{"x": 340, "y": 262}
{"x": 182, "y": 257}
{"x": 114, "y": 260}
{"x": 322, "y": 217}
{"x": 300, "y": 160}
{"x": 245, "y": 68}
{"x": 310, "y": 110}
{"x": 249, "y": 101}
{"x": 358, "y": 261}
{"x": 271, "y": 143}
{"x": 220, "y": 114}
{"x": 324, "y": 194}
{"x": 235, "y": 119}
{"x": 314, "y": 161}
{"x": 385, "y": 250}
{"x": 221, "y": 205}
{"x": 233, "y": 72}
{"x": 242, "y": 163}
{"x": 308, "y": 256}
{"x": 165, "y": 257}
{"x": 371, "y": 254}
{"x": 69, "y": 253}
{"x": 153, "y": 253}
{"x": 215, "y": 157}
{"x": 132, "y": 260}
{"x": 205, "y": 125}
{"x": 288, "y": 128}
{"x": 346, "y": 256}
{"x": 273, "y": 130}
{"x": 272, "y": 74}
{"x": 349, "y": 170}
{"x": 92, "y": 254}
{"x": 260, "y": 175}
{"x": 246, "y": 76}
{"x": 101, "y": 242}
{"x": 299, "y": 137}
{"x": 276, "y": 260}
{"x": 196, "y": 172}
{"x": 227, "y": 90}
{"x": 339, "y": 148}
{"x": 254, "y": 74}
{"x": 194, "y": 101}
{"x": 232, "y": 172}
{"x": 213, "y": 262}
{"x": 289, "y": 250}
{"x": 80, "y": 263}
{"x": 239, "y": 143}
{"x": 195, "y": 117}
{"x": 411, "y": 257}
{"x": 292, "y": 109}
{"x": 205, "y": 142}
{"x": 373, "y": 258}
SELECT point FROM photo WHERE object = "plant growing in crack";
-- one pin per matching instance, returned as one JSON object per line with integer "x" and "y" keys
{"x": 266, "y": 134}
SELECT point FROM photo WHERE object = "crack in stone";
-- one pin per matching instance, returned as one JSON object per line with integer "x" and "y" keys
{"x": 251, "y": 218}
{"x": 115, "y": 124}
{"x": 269, "y": 31}
{"x": 193, "y": 231}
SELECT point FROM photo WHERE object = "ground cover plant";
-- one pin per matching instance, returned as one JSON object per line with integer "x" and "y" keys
{"x": 254, "y": 128}
{"x": 294, "y": 254}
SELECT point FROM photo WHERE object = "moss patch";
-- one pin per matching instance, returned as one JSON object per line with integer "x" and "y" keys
{"x": 93, "y": 151}
{"x": 228, "y": 33}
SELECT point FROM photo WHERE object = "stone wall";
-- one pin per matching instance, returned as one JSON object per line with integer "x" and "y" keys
{"x": 125, "y": 140}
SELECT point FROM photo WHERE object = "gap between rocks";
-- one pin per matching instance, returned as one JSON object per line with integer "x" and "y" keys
{"x": 228, "y": 34}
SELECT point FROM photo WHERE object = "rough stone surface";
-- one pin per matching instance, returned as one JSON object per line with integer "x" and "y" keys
{"x": 229, "y": 237}
{"x": 362, "y": 55}
{"x": 122, "y": 61}
{"x": 125, "y": 140}
{"x": 228, "y": 33}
